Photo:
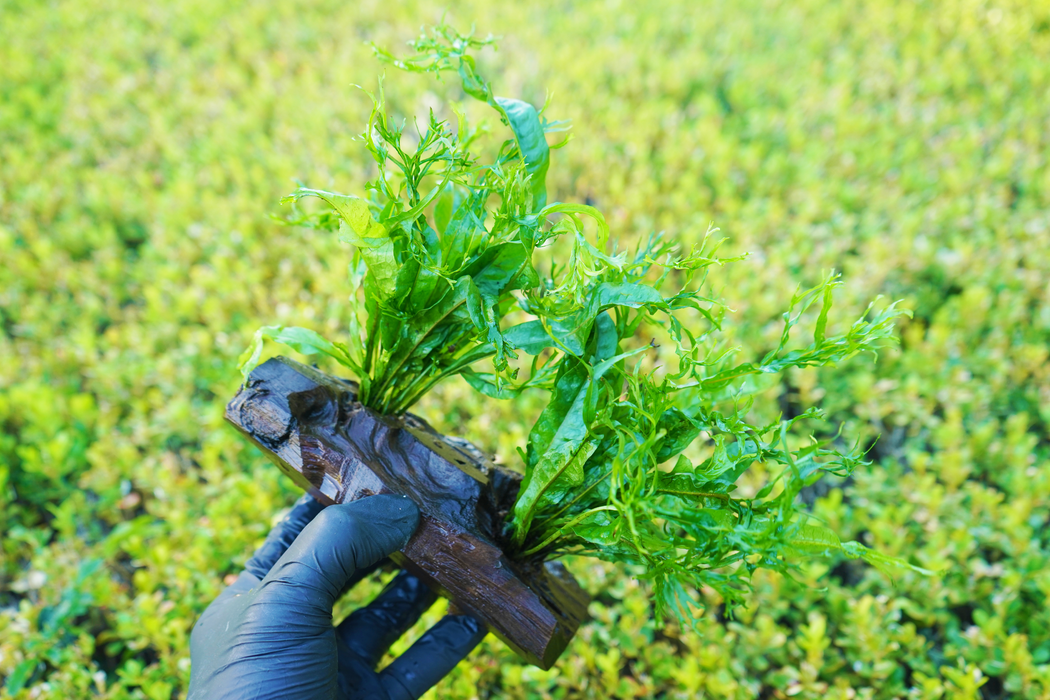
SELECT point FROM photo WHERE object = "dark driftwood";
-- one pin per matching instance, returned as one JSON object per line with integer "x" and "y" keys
{"x": 310, "y": 424}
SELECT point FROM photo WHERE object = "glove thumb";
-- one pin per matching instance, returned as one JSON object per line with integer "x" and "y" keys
{"x": 340, "y": 541}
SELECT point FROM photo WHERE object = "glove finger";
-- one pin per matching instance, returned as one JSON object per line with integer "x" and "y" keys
{"x": 342, "y": 540}
{"x": 362, "y": 574}
{"x": 369, "y": 631}
{"x": 282, "y": 535}
{"x": 431, "y": 658}
{"x": 356, "y": 678}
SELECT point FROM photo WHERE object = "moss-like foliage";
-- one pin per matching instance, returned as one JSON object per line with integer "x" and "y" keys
{"x": 144, "y": 145}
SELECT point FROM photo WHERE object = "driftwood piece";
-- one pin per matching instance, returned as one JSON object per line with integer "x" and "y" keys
{"x": 310, "y": 424}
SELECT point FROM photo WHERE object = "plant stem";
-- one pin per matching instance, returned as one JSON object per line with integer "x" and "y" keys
{"x": 562, "y": 529}
{"x": 699, "y": 494}
{"x": 580, "y": 495}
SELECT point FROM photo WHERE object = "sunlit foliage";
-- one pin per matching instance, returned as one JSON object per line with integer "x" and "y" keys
{"x": 901, "y": 144}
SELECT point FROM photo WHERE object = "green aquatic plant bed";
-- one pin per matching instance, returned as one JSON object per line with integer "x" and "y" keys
{"x": 462, "y": 267}
{"x": 898, "y": 143}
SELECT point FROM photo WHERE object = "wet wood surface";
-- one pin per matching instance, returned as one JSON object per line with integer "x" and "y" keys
{"x": 310, "y": 424}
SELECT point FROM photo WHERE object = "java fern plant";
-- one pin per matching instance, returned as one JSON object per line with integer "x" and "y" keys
{"x": 448, "y": 251}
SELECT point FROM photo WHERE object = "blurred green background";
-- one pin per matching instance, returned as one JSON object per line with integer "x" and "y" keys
{"x": 144, "y": 145}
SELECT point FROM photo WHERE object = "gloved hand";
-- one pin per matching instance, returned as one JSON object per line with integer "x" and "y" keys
{"x": 270, "y": 634}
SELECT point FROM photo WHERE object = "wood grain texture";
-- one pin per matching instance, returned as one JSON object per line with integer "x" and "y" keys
{"x": 310, "y": 424}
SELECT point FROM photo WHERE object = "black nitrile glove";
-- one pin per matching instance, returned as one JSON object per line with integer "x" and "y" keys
{"x": 270, "y": 634}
